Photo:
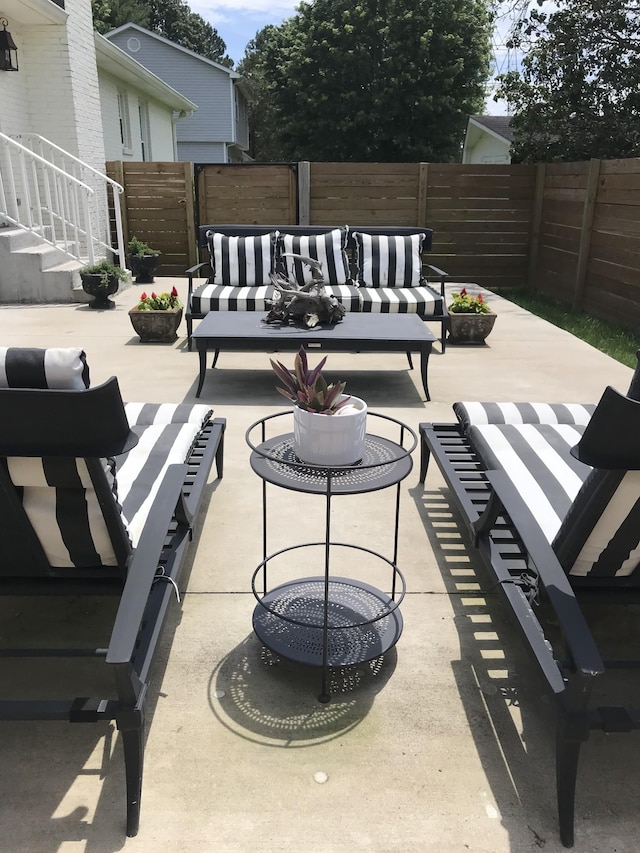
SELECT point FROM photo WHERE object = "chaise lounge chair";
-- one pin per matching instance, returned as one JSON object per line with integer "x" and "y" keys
{"x": 93, "y": 502}
{"x": 550, "y": 496}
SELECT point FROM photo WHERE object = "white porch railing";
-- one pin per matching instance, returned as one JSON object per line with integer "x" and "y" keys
{"x": 49, "y": 191}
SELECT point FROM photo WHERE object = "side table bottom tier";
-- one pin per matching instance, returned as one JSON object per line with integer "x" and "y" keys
{"x": 363, "y": 622}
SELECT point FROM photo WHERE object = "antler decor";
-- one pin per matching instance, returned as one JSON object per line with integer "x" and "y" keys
{"x": 308, "y": 303}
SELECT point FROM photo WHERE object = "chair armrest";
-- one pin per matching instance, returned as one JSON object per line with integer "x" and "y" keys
{"x": 577, "y": 634}
{"x": 191, "y": 273}
{"x": 143, "y": 566}
{"x": 438, "y": 273}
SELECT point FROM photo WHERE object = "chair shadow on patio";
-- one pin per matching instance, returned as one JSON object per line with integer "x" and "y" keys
{"x": 272, "y": 701}
{"x": 510, "y": 716}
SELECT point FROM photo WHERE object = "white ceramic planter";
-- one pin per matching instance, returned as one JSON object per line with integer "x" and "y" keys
{"x": 331, "y": 440}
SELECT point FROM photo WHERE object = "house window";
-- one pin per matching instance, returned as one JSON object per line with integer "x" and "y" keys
{"x": 145, "y": 136}
{"x": 125, "y": 122}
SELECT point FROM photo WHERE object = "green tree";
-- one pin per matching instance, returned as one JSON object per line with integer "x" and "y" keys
{"x": 172, "y": 19}
{"x": 390, "y": 80}
{"x": 577, "y": 94}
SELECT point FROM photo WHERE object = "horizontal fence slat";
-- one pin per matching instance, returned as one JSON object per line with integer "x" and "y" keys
{"x": 481, "y": 215}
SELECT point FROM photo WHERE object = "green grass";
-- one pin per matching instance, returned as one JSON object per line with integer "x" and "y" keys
{"x": 617, "y": 341}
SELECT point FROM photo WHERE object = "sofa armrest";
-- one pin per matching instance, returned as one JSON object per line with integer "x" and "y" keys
{"x": 436, "y": 272}
{"x": 192, "y": 273}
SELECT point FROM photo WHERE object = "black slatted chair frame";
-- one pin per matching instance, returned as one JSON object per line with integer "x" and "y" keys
{"x": 504, "y": 532}
{"x": 63, "y": 426}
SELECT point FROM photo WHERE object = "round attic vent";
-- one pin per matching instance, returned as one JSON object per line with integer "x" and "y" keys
{"x": 133, "y": 45}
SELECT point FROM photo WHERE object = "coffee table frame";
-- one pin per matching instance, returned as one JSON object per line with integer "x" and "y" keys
{"x": 245, "y": 331}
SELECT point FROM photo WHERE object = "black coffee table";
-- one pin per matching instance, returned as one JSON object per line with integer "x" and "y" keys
{"x": 245, "y": 331}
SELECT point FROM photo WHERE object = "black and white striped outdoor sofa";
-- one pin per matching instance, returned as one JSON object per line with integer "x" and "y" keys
{"x": 550, "y": 496}
{"x": 97, "y": 498}
{"x": 368, "y": 269}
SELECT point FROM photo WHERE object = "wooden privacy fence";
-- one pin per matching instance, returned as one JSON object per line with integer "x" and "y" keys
{"x": 569, "y": 230}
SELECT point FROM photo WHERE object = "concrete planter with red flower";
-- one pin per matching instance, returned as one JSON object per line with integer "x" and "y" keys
{"x": 470, "y": 318}
{"x": 156, "y": 318}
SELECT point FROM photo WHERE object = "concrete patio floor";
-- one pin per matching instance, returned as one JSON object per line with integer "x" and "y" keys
{"x": 445, "y": 746}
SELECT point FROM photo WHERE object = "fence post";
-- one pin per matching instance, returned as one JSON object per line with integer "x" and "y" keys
{"x": 585, "y": 233}
{"x": 115, "y": 171}
{"x": 190, "y": 213}
{"x": 304, "y": 193}
{"x": 423, "y": 194}
{"x": 534, "y": 234}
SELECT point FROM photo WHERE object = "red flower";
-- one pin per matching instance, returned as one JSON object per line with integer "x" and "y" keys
{"x": 153, "y": 296}
{"x": 143, "y": 296}
{"x": 480, "y": 299}
{"x": 463, "y": 292}
{"x": 174, "y": 292}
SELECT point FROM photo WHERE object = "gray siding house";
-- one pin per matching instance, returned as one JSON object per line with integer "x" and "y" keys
{"x": 219, "y": 131}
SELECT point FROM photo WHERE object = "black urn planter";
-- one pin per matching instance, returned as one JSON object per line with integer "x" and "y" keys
{"x": 143, "y": 267}
{"x": 93, "y": 284}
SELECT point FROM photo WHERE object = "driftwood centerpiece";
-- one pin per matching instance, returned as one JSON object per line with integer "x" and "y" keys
{"x": 307, "y": 303}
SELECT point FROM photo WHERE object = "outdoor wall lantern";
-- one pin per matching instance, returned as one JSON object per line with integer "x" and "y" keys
{"x": 8, "y": 49}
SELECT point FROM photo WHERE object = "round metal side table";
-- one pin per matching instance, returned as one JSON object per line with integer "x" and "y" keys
{"x": 326, "y": 620}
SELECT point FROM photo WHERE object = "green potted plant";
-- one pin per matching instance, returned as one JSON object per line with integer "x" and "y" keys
{"x": 101, "y": 280}
{"x": 157, "y": 317}
{"x": 470, "y": 318}
{"x": 143, "y": 261}
{"x": 329, "y": 426}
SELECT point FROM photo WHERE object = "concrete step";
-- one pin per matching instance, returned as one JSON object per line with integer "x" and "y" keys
{"x": 33, "y": 271}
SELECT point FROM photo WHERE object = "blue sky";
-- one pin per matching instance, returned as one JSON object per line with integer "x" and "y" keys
{"x": 237, "y": 22}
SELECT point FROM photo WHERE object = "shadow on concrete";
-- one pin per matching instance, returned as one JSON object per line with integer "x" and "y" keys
{"x": 510, "y": 713}
{"x": 272, "y": 701}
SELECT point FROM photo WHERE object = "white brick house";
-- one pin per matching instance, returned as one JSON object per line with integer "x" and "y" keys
{"x": 82, "y": 94}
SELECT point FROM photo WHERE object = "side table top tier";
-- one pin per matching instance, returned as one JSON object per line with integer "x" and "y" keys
{"x": 385, "y": 462}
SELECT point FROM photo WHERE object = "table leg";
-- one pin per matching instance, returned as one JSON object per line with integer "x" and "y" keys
{"x": 424, "y": 363}
{"x": 202, "y": 355}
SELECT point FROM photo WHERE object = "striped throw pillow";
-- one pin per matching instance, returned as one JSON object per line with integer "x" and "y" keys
{"x": 386, "y": 261}
{"x": 327, "y": 248}
{"x": 58, "y": 368}
{"x": 242, "y": 261}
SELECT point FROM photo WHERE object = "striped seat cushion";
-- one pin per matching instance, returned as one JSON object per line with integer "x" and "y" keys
{"x": 219, "y": 297}
{"x": 61, "y": 368}
{"x": 347, "y": 294}
{"x": 140, "y": 470}
{"x": 470, "y": 413}
{"x": 327, "y": 248}
{"x": 423, "y": 301}
{"x": 60, "y": 502}
{"x": 146, "y": 414}
{"x": 242, "y": 261}
{"x": 389, "y": 261}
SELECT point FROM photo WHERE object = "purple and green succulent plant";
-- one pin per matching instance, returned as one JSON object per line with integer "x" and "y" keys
{"x": 307, "y": 388}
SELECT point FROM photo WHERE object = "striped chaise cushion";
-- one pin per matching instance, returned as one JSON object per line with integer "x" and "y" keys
{"x": 61, "y": 368}
{"x": 146, "y": 414}
{"x": 327, "y": 248}
{"x": 536, "y": 458}
{"x": 591, "y": 517}
{"x": 242, "y": 261}
{"x": 423, "y": 301}
{"x": 139, "y": 472}
{"x": 471, "y": 413}
{"x": 389, "y": 261}
{"x": 220, "y": 297}
{"x": 59, "y": 499}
